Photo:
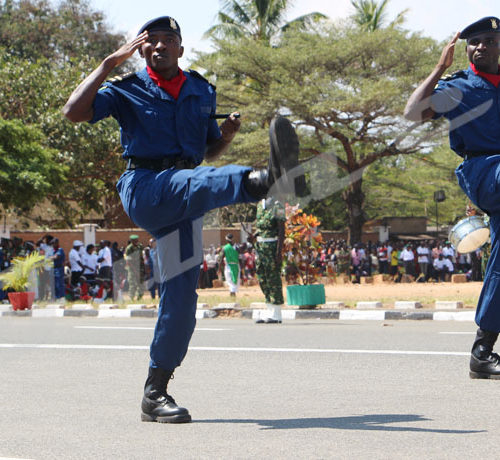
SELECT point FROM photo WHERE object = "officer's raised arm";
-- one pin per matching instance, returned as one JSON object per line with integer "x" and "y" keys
{"x": 79, "y": 105}
{"x": 418, "y": 107}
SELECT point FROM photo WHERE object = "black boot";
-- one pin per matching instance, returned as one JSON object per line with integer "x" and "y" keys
{"x": 283, "y": 157}
{"x": 157, "y": 405}
{"x": 484, "y": 364}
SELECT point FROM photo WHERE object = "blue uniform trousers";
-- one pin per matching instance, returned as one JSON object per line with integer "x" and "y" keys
{"x": 170, "y": 205}
{"x": 59, "y": 287}
{"x": 480, "y": 179}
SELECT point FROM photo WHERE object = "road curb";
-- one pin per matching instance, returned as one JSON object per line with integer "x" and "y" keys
{"x": 288, "y": 315}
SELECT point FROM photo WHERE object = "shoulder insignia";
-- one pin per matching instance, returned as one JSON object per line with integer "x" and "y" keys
{"x": 120, "y": 78}
{"x": 454, "y": 75}
{"x": 199, "y": 76}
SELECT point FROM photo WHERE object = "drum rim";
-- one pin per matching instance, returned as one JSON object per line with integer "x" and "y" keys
{"x": 465, "y": 219}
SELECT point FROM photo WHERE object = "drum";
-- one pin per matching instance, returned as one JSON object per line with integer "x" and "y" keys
{"x": 469, "y": 234}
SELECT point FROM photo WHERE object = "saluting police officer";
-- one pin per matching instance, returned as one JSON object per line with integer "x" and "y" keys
{"x": 469, "y": 99}
{"x": 168, "y": 127}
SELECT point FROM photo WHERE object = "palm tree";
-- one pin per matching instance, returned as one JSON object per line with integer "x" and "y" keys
{"x": 259, "y": 19}
{"x": 371, "y": 14}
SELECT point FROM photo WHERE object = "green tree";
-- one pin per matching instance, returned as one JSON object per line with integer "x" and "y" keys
{"x": 35, "y": 92}
{"x": 405, "y": 186}
{"x": 258, "y": 19}
{"x": 371, "y": 14}
{"x": 46, "y": 53}
{"x": 345, "y": 90}
{"x": 28, "y": 168}
{"x": 31, "y": 29}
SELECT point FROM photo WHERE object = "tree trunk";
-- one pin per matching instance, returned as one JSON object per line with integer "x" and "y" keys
{"x": 354, "y": 199}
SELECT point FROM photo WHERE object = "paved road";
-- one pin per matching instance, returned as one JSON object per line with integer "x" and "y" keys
{"x": 71, "y": 388}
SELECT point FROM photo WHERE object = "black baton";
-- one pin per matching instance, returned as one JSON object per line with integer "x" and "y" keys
{"x": 224, "y": 115}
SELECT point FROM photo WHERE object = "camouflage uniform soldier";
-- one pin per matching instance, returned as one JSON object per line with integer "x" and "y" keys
{"x": 135, "y": 267}
{"x": 270, "y": 226}
{"x": 343, "y": 261}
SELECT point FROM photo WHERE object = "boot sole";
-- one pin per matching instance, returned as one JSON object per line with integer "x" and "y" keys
{"x": 285, "y": 142}
{"x": 483, "y": 375}
{"x": 170, "y": 419}
{"x": 285, "y": 153}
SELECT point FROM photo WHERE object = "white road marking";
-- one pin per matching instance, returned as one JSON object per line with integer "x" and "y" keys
{"x": 144, "y": 329}
{"x": 14, "y": 458}
{"x": 458, "y": 333}
{"x": 112, "y": 327}
{"x": 239, "y": 349}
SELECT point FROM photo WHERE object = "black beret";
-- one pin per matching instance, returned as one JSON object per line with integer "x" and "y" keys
{"x": 162, "y": 23}
{"x": 487, "y": 24}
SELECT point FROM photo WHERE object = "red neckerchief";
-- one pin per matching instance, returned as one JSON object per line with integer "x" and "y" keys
{"x": 493, "y": 78}
{"x": 172, "y": 86}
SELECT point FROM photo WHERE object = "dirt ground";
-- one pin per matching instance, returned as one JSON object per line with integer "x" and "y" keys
{"x": 387, "y": 293}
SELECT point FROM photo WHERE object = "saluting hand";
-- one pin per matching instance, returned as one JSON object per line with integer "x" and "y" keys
{"x": 230, "y": 127}
{"x": 123, "y": 53}
{"x": 446, "y": 59}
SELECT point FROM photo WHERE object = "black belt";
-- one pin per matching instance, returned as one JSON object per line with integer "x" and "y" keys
{"x": 160, "y": 164}
{"x": 479, "y": 154}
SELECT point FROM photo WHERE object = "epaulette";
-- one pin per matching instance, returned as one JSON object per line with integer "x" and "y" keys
{"x": 119, "y": 78}
{"x": 200, "y": 77}
{"x": 454, "y": 75}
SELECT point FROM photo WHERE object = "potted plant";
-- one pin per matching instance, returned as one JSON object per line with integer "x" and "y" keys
{"x": 17, "y": 277}
{"x": 302, "y": 245}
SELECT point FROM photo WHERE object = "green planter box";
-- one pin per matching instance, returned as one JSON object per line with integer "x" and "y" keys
{"x": 310, "y": 294}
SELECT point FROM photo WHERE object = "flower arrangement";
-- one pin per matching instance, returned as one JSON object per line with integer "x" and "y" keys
{"x": 302, "y": 244}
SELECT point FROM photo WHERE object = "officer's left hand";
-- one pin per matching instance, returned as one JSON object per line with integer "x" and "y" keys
{"x": 230, "y": 127}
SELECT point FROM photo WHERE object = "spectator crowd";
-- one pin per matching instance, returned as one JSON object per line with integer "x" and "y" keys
{"x": 110, "y": 271}
{"x": 421, "y": 261}
{"x": 87, "y": 272}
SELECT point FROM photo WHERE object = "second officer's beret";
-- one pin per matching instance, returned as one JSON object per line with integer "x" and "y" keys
{"x": 484, "y": 25}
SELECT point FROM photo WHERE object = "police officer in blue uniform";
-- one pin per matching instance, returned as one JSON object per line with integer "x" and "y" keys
{"x": 168, "y": 127}
{"x": 469, "y": 99}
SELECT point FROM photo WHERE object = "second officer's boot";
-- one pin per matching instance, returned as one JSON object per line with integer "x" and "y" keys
{"x": 484, "y": 364}
{"x": 157, "y": 405}
{"x": 283, "y": 173}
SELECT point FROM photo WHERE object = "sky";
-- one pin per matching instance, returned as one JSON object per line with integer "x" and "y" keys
{"x": 439, "y": 19}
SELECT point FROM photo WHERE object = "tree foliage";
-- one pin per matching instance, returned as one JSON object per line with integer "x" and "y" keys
{"x": 344, "y": 89}
{"x": 371, "y": 15}
{"x": 260, "y": 20}
{"x": 28, "y": 168}
{"x": 405, "y": 186}
{"x": 37, "y": 74}
{"x": 31, "y": 29}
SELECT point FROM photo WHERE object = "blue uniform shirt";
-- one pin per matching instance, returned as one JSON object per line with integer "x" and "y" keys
{"x": 472, "y": 105}
{"x": 60, "y": 258}
{"x": 152, "y": 123}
